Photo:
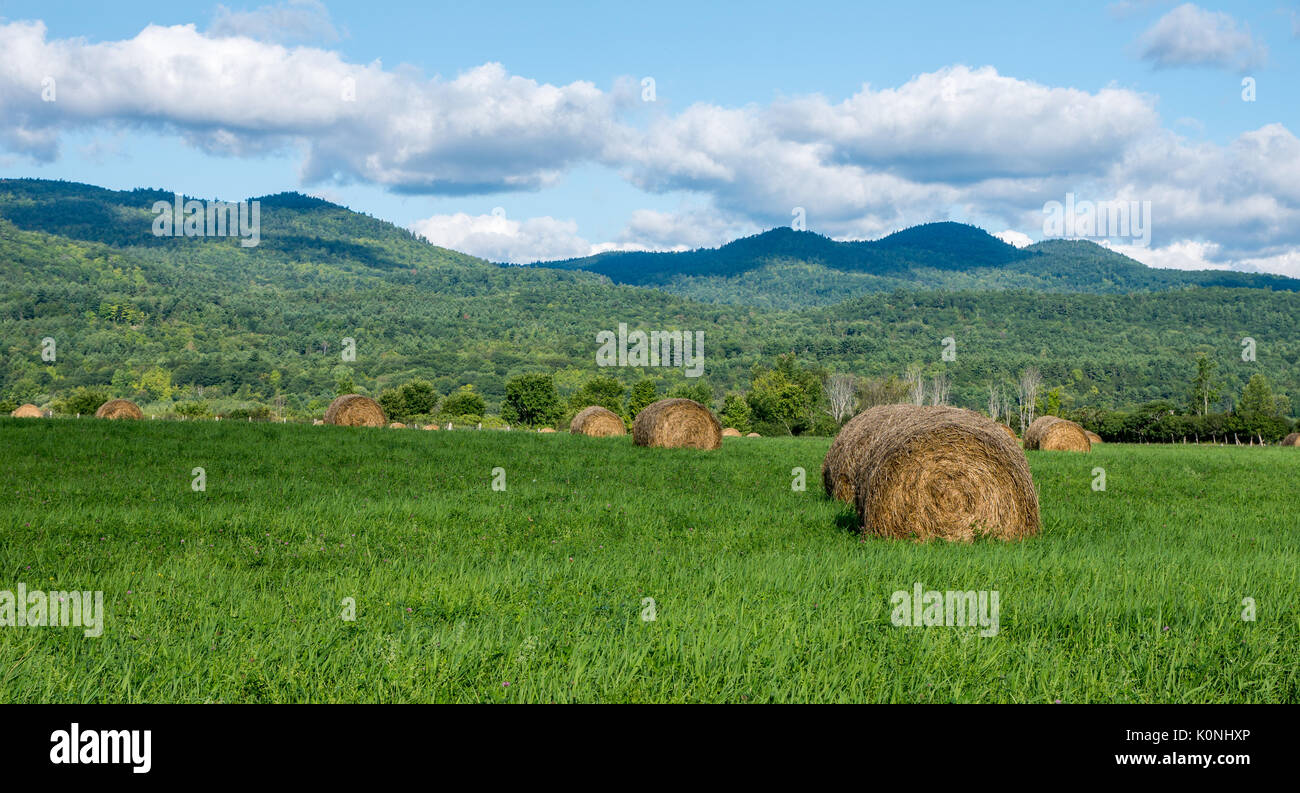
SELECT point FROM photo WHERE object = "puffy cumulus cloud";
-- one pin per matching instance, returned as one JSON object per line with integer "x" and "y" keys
{"x": 292, "y": 21}
{"x": 652, "y": 230}
{"x": 482, "y": 131}
{"x": 1016, "y": 238}
{"x": 1205, "y": 255}
{"x": 501, "y": 239}
{"x": 1191, "y": 36}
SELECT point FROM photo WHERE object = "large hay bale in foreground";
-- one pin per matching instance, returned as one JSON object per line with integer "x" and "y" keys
{"x": 119, "y": 409}
{"x": 731, "y": 432}
{"x": 945, "y": 473}
{"x": 676, "y": 423}
{"x": 1292, "y": 440}
{"x": 849, "y": 449}
{"x": 1092, "y": 436}
{"x": 597, "y": 422}
{"x": 1052, "y": 434}
{"x": 28, "y": 411}
{"x": 355, "y": 410}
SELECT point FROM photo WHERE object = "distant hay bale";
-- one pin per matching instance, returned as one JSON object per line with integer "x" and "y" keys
{"x": 397, "y": 425}
{"x": 1010, "y": 432}
{"x": 731, "y": 432}
{"x": 1052, "y": 434}
{"x": 355, "y": 410}
{"x": 1092, "y": 436}
{"x": 431, "y": 426}
{"x": 317, "y": 422}
{"x": 597, "y": 422}
{"x": 945, "y": 473}
{"x": 546, "y": 429}
{"x": 675, "y": 423}
{"x": 753, "y": 435}
{"x": 848, "y": 450}
{"x": 1292, "y": 440}
{"x": 119, "y": 409}
{"x": 28, "y": 411}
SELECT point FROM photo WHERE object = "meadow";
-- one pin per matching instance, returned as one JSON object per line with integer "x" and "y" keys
{"x": 537, "y": 593}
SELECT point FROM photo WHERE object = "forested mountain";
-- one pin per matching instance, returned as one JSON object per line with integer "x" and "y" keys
{"x": 171, "y": 319}
{"x": 783, "y": 268}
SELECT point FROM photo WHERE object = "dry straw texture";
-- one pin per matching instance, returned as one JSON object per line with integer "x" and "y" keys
{"x": 354, "y": 410}
{"x": 1292, "y": 440}
{"x": 1092, "y": 436}
{"x": 28, "y": 411}
{"x": 731, "y": 432}
{"x": 849, "y": 449}
{"x": 753, "y": 435}
{"x": 431, "y": 426}
{"x": 598, "y": 422}
{"x": 396, "y": 425}
{"x": 945, "y": 473}
{"x": 546, "y": 429}
{"x": 1052, "y": 434}
{"x": 118, "y": 409}
{"x": 1010, "y": 432}
{"x": 672, "y": 423}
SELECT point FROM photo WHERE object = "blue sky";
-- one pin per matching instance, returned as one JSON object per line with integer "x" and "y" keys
{"x": 871, "y": 116}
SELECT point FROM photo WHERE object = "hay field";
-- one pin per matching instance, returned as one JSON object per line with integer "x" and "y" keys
{"x": 536, "y": 593}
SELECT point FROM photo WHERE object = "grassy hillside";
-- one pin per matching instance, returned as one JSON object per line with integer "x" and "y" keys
{"x": 782, "y": 268}
{"x": 463, "y": 593}
{"x": 176, "y": 319}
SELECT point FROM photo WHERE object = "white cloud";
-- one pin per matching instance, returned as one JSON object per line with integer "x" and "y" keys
{"x": 1016, "y": 238}
{"x": 1191, "y": 36}
{"x": 501, "y": 239}
{"x": 482, "y": 131}
{"x": 288, "y": 22}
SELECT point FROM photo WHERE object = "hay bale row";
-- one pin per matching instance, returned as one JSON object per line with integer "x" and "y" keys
{"x": 355, "y": 410}
{"x": 945, "y": 473}
{"x": 119, "y": 409}
{"x": 597, "y": 422}
{"x": 28, "y": 411}
{"x": 1053, "y": 434}
{"x": 675, "y": 423}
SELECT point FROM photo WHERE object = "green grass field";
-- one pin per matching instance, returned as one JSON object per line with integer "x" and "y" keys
{"x": 761, "y": 593}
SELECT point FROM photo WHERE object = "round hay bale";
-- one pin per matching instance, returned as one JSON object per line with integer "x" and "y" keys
{"x": 597, "y": 422}
{"x": 354, "y": 410}
{"x": 28, "y": 411}
{"x": 849, "y": 449}
{"x": 731, "y": 432}
{"x": 677, "y": 423}
{"x": 1052, "y": 434}
{"x": 753, "y": 435}
{"x": 945, "y": 473}
{"x": 1292, "y": 440}
{"x": 1093, "y": 437}
{"x": 119, "y": 409}
{"x": 317, "y": 422}
{"x": 431, "y": 426}
{"x": 547, "y": 429}
{"x": 397, "y": 425}
{"x": 1010, "y": 432}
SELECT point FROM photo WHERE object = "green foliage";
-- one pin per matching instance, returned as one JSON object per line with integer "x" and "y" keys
{"x": 1257, "y": 400}
{"x": 416, "y": 398}
{"x": 736, "y": 413}
{"x": 464, "y": 402}
{"x": 1205, "y": 386}
{"x": 643, "y": 394}
{"x": 193, "y": 410}
{"x": 786, "y": 397}
{"x": 604, "y": 391}
{"x": 694, "y": 389}
{"x": 83, "y": 401}
{"x": 531, "y": 400}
